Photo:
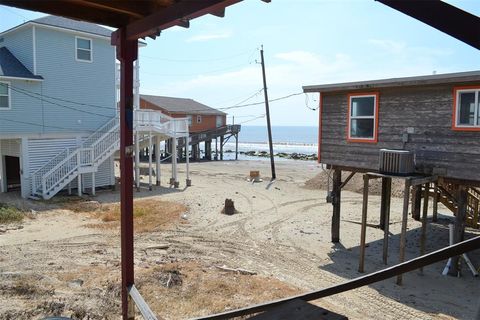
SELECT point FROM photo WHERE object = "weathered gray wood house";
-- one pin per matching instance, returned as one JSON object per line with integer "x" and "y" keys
{"x": 436, "y": 116}
{"x": 427, "y": 124}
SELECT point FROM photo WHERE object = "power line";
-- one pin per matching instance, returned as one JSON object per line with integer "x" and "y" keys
{"x": 195, "y": 74}
{"x": 262, "y": 102}
{"x": 16, "y": 13}
{"x": 250, "y": 97}
{"x": 55, "y": 98}
{"x": 196, "y": 60}
{"x": 307, "y": 101}
{"x": 259, "y": 117}
{"x": 57, "y": 104}
{"x": 41, "y": 125}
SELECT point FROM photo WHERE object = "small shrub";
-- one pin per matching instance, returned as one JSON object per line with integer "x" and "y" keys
{"x": 10, "y": 214}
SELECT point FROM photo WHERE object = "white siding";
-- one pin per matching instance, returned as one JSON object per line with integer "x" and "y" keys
{"x": 42, "y": 150}
{"x": 103, "y": 177}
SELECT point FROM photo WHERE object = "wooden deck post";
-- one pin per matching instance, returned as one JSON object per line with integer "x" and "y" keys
{"x": 221, "y": 147}
{"x": 127, "y": 51}
{"x": 459, "y": 227}
{"x": 363, "y": 230}
{"x": 336, "y": 194}
{"x": 383, "y": 201}
{"x": 157, "y": 160}
{"x": 435, "y": 202}
{"x": 137, "y": 160}
{"x": 423, "y": 236}
{"x": 150, "y": 147}
{"x": 385, "y": 212}
{"x": 403, "y": 235}
{"x": 236, "y": 146}
{"x": 416, "y": 202}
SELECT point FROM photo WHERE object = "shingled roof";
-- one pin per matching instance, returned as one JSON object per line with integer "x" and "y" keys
{"x": 11, "y": 67}
{"x": 76, "y": 25}
{"x": 181, "y": 105}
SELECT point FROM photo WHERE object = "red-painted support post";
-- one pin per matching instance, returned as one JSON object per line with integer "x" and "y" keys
{"x": 127, "y": 51}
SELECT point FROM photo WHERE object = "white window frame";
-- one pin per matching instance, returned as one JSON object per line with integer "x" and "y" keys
{"x": 77, "y": 48}
{"x": 476, "y": 120}
{"x": 374, "y": 117}
{"x": 199, "y": 119}
{"x": 9, "y": 94}
{"x": 189, "y": 119}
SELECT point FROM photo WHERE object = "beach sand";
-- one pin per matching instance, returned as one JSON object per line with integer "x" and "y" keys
{"x": 281, "y": 231}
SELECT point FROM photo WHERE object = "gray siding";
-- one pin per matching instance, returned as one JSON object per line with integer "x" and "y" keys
{"x": 82, "y": 82}
{"x": 426, "y": 109}
{"x": 20, "y": 44}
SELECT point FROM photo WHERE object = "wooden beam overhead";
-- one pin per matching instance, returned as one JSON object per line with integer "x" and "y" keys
{"x": 140, "y": 18}
{"x": 108, "y": 6}
{"x": 171, "y": 16}
{"x": 440, "y": 15}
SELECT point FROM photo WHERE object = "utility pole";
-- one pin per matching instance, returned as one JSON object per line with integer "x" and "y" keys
{"x": 269, "y": 128}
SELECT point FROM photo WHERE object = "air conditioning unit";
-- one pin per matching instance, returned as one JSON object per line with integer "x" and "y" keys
{"x": 396, "y": 162}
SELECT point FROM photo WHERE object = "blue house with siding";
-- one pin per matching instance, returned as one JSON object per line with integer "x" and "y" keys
{"x": 58, "y": 113}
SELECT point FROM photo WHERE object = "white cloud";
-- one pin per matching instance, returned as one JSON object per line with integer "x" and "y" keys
{"x": 401, "y": 49}
{"x": 210, "y": 36}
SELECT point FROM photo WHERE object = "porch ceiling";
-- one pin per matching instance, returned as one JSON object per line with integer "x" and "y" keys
{"x": 141, "y": 19}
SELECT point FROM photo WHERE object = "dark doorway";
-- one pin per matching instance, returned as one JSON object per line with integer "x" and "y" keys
{"x": 12, "y": 168}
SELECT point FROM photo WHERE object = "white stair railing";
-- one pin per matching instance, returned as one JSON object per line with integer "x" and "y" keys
{"x": 100, "y": 145}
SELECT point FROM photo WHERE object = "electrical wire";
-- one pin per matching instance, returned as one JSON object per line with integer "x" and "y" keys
{"x": 307, "y": 101}
{"x": 261, "y": 102}
{"x": 55, "y": 98}
{"x": 195, "y": 74}
{"x": 256, "y": 118}
{"x": 196, "y": 60}
{"x": 42, "y": 125}
{"x": 250, "y": 97}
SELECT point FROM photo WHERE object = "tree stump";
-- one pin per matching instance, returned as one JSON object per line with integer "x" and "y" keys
{"x": 229, "y": 207}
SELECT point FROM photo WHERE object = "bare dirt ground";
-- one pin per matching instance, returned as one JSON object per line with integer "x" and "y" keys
{"x": 64, "y": 261}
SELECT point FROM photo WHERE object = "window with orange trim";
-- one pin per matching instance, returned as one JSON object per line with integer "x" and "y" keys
{"x": 466, "y": 112}
{"x": 362, "y": 117}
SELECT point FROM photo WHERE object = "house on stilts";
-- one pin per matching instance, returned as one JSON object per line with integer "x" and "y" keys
{"x": 424, "y": 130}
{"x": 205, "y": 125}
{"x": 59, "y": 121}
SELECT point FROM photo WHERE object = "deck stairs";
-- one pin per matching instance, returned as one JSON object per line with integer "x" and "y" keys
{"x": 57, "y": 173}
{"x": 447, "y": 195}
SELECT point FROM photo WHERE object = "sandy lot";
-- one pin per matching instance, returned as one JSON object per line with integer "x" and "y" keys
{"x": 57, "y": 263}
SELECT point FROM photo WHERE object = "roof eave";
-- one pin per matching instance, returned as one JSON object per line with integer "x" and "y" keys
{"x": 472, "y": 76}
{"x": 21, "y": 78}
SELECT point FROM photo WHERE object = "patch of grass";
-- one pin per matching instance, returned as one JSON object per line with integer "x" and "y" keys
{"x": 148, "y": 214}
{"x": 188, "y": 289}
{"x": 9, "y": 214}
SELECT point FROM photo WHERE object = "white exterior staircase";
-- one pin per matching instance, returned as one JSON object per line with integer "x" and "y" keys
{"x": 56, "y": 174}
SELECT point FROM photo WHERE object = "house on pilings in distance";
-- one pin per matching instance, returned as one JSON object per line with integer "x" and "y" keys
{"x": 431, "y": 121}
{"x": 205, "y": 124}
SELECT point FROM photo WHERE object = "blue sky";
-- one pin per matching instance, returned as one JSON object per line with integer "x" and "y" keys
{"x": 305, "y": 41}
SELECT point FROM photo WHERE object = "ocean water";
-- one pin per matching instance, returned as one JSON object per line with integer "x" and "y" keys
{"x": 286, "y": 139}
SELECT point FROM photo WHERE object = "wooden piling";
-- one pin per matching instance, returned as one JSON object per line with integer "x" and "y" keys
{"x": 416, "y": 202}
{"x": 386, "y": 197}
{"x": 363, "y": 231}
{"x": 435, "y": 202}
{"x": 403, "y": 235}
{"x": 423, "y": 236}
{"x": 336, "y": 193}
{"x": 459, "y": 227}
